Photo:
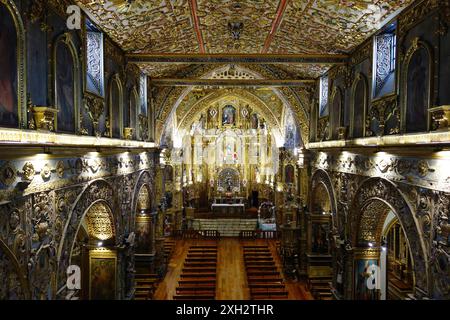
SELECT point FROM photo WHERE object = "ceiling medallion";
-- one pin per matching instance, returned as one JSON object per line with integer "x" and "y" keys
{"x": 235, "y": 28}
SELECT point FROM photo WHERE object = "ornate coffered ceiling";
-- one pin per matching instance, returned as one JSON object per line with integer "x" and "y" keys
{"x": 256, "y": 17}
{"x": 225, "y": 26}
{"x": 244, "y": 26}
{"x": 163, "y": 70}
{"x": 330, "y": 26}
{"x": 150, "y": 26}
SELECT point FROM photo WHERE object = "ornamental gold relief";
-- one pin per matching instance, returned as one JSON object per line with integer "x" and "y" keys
{"x": 7, "y": 174}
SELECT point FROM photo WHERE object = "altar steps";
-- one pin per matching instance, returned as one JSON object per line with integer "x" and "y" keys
{"x": 226, "y": 227}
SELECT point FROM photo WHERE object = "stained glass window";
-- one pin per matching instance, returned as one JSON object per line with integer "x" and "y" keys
{"x": 323, "y": 102}
{"x": 143, "y": 94}
{"x": 384, "y": 62}
{"x": 94, "y": 60}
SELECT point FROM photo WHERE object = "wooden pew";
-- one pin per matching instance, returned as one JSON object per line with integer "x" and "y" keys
{"x": 194, "y": 297}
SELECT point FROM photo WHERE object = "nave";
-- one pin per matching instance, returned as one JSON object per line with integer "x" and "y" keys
{"x": 230, "y": 277}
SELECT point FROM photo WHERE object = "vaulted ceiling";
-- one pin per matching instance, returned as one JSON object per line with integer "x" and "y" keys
{"x": 240, "y": 26}
{"x": 262, "y": 26}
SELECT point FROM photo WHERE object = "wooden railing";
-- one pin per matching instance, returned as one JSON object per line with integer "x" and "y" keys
{"x": 214, "y": 234}
{"x": 196, "y": 234}
{"x": 259, "y": 234}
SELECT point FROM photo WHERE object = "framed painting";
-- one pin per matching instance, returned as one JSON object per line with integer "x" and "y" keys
{"x": 319, "y": 243}
{"x": 289, "y": 174}
{"x": 143, "y": 241}
{"x": 65, "y": 87}
{"x": 102, "y": 274}
{"x": 418, "y": 91}
{"x": 229, "y": 115}
{"x": 115, "y": 101}
{"x": 8, "y": 70}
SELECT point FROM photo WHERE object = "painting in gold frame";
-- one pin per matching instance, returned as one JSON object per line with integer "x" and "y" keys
{"x": 102, "y": 274}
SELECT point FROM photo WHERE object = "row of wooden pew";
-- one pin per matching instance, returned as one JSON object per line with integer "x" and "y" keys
{"x": 145, "y": 283}
{"x": 263, "y": 277}
{"x": 199, "y": 273}
{"x": 320, "y": 287}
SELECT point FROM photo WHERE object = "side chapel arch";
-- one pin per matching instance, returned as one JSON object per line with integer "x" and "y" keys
{"x": 92, "y": 192}
{"x": 367, "y": 224}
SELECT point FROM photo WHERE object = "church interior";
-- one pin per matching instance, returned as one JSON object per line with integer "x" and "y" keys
{"x": 224, "y": 150}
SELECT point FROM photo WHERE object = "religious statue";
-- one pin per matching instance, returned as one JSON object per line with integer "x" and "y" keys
{"x": 229, "y": 183}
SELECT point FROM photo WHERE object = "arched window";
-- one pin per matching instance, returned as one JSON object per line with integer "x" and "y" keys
{"x": 12, "y": 84}
{"x": 66, "y": 85}
{"x": 94, "y": 60}
{"x": 115, "y": 107}
{"x": 417, "y": 88}
{"x": 323, "y": 100}
{"x": 385, "y": 46}
{"x": 359, "y": 106}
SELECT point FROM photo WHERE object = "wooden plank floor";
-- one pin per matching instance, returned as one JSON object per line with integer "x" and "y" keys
{"x": 231, "y": 275}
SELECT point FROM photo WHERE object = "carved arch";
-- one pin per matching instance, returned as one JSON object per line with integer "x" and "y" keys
{"x": 145, "y": 179}
{"x": 381, "y": 190}
{"x": 297, "y": 101}
{"x": 321, "y": 177}
{"x": 94, "y": 191}
{"x": 14, "y": 263}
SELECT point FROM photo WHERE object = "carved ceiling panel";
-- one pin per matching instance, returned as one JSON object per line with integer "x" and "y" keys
{"x": 303, "y": 70}
{"x": 330, "y": 26}
{"x": 150, "y": 26}
{"x": 251, "y": 21}
{"x": 312, "y": 26}
{"x": 163, "y": 70}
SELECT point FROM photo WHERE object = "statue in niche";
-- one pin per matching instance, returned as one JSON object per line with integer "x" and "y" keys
{"x": 229, "y": 184}
{"x": 201, "y": 122}
{"x": 229, "y": 115}
{"x": 263, "y": 124}
{"x": 255, "y": 121}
